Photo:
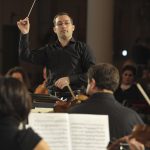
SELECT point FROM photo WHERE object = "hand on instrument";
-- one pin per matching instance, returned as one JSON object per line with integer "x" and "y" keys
{"x": 24, "y": 25}
{"x": 133, "y": 144}
{"x": 62, "y": 82}
{"x": 142, "y": 134}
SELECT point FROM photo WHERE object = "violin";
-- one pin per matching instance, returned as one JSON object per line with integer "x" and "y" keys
{"x": 41, "y": 89}
{"x": 63, "y": 106}
{"x": 140, "y": 133}
{"x": 81, "y": 97}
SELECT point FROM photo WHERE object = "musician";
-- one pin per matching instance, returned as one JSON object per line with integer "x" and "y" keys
{"x": 127, "y": 92}
{"x": 103, "y": 80}
{"x": 67, "y": 59}
{"x": 15, "y": 105}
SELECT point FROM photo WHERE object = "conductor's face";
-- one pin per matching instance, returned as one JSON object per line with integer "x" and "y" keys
{"x": 64, "y": 27}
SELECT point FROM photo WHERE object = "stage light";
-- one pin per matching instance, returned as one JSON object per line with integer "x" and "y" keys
{"x": 124, "y": 52}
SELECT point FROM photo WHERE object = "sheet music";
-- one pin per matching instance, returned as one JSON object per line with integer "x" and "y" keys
{"x": 53, "y": 128}
{"x": 71, "y": 131}
{"x": 89, "y": 132}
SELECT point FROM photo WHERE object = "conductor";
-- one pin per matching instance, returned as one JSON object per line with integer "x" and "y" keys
{"x": 67, "y": 60}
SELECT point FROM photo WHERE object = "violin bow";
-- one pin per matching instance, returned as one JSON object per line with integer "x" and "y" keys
{"x": 143, "y": 93}
{"x": 71, "y": 91}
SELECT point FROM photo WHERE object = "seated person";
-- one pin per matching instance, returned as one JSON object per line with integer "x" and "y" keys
{"x": 15, "y": 104}
{"x": 20, "y": 74}
{"x": 103, "y": 80}
{"x": 127, "y": 93}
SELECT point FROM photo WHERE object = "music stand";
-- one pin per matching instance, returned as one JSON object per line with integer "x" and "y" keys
{"x": 43, "y": 100}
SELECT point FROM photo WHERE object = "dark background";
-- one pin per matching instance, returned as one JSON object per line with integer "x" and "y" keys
{"x": 131, "y": 29}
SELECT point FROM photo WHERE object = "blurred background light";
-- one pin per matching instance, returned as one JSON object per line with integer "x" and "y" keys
{"x": 124, "y": 52}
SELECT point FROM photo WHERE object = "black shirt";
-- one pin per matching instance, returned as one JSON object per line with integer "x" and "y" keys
{"x": 128, "y": 96}
{"x": 13, "y": 138}
{"x": 72, "y": 60}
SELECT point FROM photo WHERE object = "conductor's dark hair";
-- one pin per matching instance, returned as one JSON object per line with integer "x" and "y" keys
{"x": 15, "y": 100}
{"x": 105, "y": 75}
{"x": 62, "y": 14}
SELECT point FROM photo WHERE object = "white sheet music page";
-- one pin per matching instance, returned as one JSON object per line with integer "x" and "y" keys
{"x": 53, "y": 127}
{"x": 89, "y": 132}
{"x": 72, "y": 131}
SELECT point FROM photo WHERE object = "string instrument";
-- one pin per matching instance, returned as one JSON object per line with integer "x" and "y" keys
{"x": 63, "y": 106}
{"x": 140, "y": 132}
{"x": 41, "y": 89}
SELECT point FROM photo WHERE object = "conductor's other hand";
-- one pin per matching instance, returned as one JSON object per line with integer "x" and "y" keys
{"x": 62, "y": 82}
{"x": 24, "y": 25}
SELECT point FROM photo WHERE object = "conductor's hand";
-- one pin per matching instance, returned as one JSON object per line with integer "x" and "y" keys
{"x": 24, "y": 25}
{"x": 62, "y": 82}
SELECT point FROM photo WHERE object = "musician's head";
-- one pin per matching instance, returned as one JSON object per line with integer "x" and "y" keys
{"x": 63, "y": 25}
{"x": 128, "y": 75}
{"x": 20, "y": 74}
{"x": 15, "y": 100}
{"x": 102, "y": 77}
